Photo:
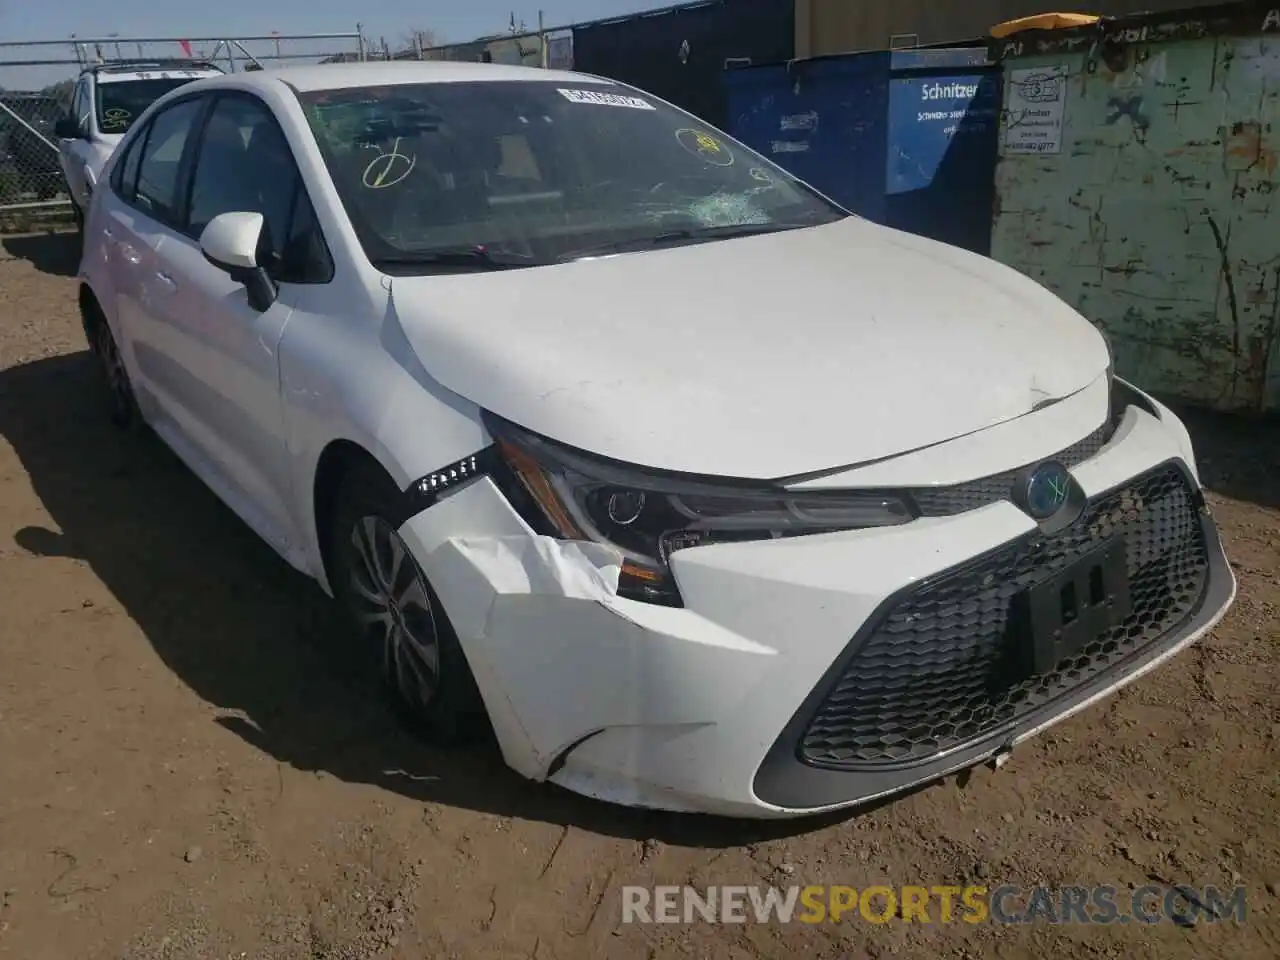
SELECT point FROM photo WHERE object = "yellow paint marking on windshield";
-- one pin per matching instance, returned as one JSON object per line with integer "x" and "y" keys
{"x": 704, "y": 146}
{"x": 115, "y": 117}
{"x": 388, "y": 169}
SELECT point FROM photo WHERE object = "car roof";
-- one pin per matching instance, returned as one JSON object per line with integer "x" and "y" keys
{"x": 339, "y": 76}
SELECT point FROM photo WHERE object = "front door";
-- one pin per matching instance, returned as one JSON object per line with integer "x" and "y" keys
{"x": 222, "y": 353}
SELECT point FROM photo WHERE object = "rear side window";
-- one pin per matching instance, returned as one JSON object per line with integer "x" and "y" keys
{"x": 160, "y": 160}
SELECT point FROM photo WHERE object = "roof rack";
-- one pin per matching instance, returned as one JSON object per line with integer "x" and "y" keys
{"x": 153, "y": 63}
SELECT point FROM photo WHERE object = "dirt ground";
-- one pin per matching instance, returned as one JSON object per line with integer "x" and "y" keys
{"x": 186, "y": 770}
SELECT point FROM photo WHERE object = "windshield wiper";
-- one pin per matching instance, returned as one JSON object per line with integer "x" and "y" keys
{"x": 683, "y": 235}
{"x": 478, "y": 256}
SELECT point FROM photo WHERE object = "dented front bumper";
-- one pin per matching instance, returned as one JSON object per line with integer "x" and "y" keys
{"x": 705, "y": 708}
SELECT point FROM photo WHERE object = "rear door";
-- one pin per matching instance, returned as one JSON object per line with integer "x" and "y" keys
{"x": 139, "y": 218}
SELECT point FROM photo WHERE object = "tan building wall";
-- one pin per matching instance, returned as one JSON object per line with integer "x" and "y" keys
{"x": 841, "y": 26}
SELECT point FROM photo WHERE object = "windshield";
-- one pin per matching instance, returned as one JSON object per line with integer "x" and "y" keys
{"x": 120, "y": 102}
{"x": 542, "y": 171}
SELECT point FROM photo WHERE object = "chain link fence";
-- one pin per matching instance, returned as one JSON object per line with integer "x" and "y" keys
{"x": 37, "y": 80}
{"x": 30, "y": 173}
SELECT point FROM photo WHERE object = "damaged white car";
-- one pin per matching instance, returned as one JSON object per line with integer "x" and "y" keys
{"x": 706, "y": 494}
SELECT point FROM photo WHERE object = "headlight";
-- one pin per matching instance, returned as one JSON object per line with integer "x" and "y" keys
{"x": 648, "y": 515}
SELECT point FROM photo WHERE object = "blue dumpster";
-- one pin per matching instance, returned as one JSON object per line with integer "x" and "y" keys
{"x": 907, "y": 138}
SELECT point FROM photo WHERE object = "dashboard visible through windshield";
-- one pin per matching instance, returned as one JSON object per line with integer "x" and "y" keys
{"x": 501, "y": 173}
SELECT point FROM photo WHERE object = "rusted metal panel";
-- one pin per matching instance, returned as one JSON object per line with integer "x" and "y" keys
{"x": 842, "y": 26}
{"x": 1234, "y": 18}
{"x": 1157, "y": 215}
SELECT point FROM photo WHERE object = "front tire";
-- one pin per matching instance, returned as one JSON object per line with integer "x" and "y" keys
{"x": 395, "y": 614}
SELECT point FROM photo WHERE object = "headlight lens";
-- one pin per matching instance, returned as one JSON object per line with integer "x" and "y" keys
{"x": 648, "y": 516}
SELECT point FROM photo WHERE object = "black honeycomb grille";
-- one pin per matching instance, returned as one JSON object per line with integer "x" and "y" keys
{"x": 935, "y": 673}
{"x": 948, "y": 501}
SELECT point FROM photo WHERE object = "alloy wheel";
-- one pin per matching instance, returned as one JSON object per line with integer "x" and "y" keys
{"x": 394, "y": 609}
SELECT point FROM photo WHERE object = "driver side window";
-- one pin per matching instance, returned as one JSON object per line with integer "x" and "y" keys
{"x": 245, "y": 164}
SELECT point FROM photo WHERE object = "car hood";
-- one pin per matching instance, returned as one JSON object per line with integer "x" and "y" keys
{"x": 757, "y": 357}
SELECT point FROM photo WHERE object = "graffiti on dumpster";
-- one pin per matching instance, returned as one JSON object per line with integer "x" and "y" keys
{"x": 1227, "y": 19}
{"x": 800, "y": 121}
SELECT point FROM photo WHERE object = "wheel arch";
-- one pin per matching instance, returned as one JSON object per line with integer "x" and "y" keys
{"x": 347, "y": 404}
{"x": 337, "y": 460}
{"x": 91, "y": 314}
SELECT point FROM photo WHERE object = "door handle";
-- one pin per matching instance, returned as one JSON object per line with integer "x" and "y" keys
{"x": 166, "y": 280}
{"x": 108, "y": 233}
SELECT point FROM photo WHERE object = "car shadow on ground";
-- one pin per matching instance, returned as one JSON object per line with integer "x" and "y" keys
{"x": 1238, "y": 457}
{"x": 247, "y": 633}
{"x": 57, "y": 254}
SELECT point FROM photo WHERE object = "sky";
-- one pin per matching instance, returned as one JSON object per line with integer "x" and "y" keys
{"x": 458, "y": 20}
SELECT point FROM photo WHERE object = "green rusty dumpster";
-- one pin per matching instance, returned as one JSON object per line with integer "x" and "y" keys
{"x": 1137, "y": 179}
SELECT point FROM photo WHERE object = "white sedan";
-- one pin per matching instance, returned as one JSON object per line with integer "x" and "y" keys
{"x": 601, "y": 427}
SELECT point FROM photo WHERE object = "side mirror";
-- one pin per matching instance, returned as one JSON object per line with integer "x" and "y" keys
{"x": 231, "y": 242}
{"x": 66, "y": 128}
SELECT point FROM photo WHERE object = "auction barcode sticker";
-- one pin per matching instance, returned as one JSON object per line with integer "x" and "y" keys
{"x": 605, "y": 99}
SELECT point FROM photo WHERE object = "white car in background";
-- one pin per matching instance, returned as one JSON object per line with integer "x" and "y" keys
{"x": 105, "y": 101}
{"x": 708, "y": 495}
